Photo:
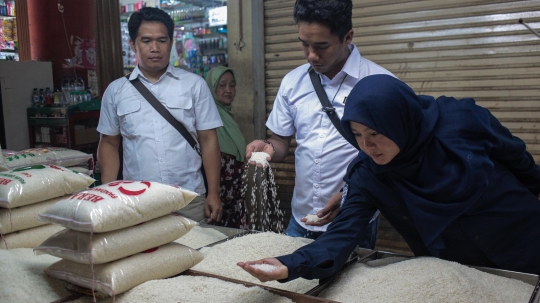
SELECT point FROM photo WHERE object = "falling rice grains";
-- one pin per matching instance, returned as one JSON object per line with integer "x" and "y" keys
{"x": 269, "y": 204}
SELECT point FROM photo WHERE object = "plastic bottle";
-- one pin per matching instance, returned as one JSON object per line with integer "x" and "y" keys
{"x": 41, "y": 97}
{"x": 88, "y": 94}
{"x": 35, "y": 97}
{"x": 48, "y": 97}
{"x": 79, "y": 84}
{"x": 65, "y": 89}
{"x": 57, "y": 97}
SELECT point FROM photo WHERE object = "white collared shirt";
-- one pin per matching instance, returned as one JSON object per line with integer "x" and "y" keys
{"x": 153, "y": 149}
{"x": 322, "y": 154}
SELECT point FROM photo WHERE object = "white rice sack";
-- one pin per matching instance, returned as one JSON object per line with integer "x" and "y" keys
{"x": 200, "y": 236}
{"x": 82, "y": 170}
{"x": 117, "y": 205}
{"x": 100, "y": 248}
{"x": 194, "y": 289}
{"x": 424, "y": 280}
{"x": 23, "y": 217}
{"x": 50, "y": 155}
{"x": 28, "y": 185}
{"x": 29, "y": 238}
{"x": 221, "y": 259}
{"x": 23, "y": 280}
{"x": 119, "y": 276}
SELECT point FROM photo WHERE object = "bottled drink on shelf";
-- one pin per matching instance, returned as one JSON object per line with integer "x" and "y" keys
{"x": 41, "y": 97}
{"x": 57, "y": 97}
{"x": 65, "y": 90}
{"x": 88, "y": 94}
{"x": 48, "y": 97}
{"x": 79, "y": 84}
{"x": 35, "y": 97}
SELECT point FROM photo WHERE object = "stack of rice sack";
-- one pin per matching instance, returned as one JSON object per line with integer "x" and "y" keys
{"x": 27, "y": 191}
{"x": 119, "y": 235}
{"x": 73, "y": 159}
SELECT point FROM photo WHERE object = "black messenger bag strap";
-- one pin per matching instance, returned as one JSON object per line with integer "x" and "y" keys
{"x": 169, "y": 117}
{"x": 165, "y": 113}
{"x": 326, "y": 105}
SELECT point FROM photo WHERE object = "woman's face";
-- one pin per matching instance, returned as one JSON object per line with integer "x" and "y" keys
{"x": 226, "y": 89}
{"x": 381, "y": 149}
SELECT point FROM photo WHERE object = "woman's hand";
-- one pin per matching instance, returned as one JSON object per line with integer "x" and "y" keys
{"x": 280, "y": 272}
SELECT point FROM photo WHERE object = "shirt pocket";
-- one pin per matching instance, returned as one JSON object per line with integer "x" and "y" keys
{"x": 302, "y": 122}
{"x": 181, "y": 107}
{"x": 129, "y": 112}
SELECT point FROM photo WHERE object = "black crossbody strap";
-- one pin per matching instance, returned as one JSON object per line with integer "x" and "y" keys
{"x": 326, "y": 105}
{"x": 165, "y": 113}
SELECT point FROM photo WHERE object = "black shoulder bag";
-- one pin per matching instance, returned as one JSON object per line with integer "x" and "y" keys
{"x": 167, "y": 115}
{"x": 326, "y": 105}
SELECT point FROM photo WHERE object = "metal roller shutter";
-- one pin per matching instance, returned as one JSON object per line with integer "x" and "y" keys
{"x": 460, "y": 48}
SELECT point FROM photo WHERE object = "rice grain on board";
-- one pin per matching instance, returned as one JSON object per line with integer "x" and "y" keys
{"x": 100, "y": 248}
{"x": 119, "y": 276}
{"x": 198, "y": 237}
{"x": 117, "y": 205}
{"x": 194, "y": 289}
{"x": 28, "y": 185}
{"x": 29, "y": 238}
{"x": 23, "y": 280}
{"x": 424, "y": 279}
{"x": 24, "y": 217}
{"x": 221, "y": 259}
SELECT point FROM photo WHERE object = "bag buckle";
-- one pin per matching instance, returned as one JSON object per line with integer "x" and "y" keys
{"x": 330, "y": 110}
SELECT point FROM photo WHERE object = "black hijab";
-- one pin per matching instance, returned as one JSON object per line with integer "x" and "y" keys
{"x": 443, "y": 164}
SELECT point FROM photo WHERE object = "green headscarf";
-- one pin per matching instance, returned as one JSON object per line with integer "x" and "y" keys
{"x": 231, "y": 140}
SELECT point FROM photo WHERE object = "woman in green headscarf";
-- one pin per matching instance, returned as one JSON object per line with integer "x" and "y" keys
{"x": 222, "y": 83}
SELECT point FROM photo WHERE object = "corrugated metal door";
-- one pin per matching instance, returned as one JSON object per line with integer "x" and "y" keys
{"x": 460, "y": 48}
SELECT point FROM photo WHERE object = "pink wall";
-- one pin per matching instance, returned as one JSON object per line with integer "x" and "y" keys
{"x": 48, "y": 38}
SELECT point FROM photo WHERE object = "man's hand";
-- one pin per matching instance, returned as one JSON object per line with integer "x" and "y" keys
{"x": 281, "y": 271}
{"x": 213, "y": 209}
{"x": 328, "y": 213}
{"x": 259, "y": 146}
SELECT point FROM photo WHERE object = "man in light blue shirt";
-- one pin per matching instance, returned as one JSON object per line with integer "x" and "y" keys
{"x": 153, "y": 150}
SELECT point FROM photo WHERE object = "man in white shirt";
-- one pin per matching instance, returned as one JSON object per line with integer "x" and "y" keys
{"x": 322, "y": 154}
{"x": 153, "y": 150}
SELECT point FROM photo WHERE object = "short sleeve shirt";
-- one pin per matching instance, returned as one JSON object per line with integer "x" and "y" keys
{"x": 153, "y": 149}
{"x": 322, "y": 154}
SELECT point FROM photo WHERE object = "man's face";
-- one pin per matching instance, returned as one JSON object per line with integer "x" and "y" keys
{"x": 152, "y": 46}
{"x": 323, "y": 50}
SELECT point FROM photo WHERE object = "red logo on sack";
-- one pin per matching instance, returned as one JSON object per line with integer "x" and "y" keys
{"x": 129, "y": 192}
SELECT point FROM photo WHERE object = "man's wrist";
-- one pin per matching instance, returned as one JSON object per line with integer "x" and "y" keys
{"x": 271, "y": 144}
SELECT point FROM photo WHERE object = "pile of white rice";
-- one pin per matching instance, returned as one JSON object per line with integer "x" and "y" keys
{"x": 221, "y": 259}
{"x": 193, "y": 289}
{"x": 424, "y": 280}
{"x": 259, "y": 158}
{"x": 198, "y": 237}
{"x": 23, "y": 280}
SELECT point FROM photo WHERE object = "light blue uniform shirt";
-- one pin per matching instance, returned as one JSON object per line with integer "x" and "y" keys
{"x": 153, "y": 149}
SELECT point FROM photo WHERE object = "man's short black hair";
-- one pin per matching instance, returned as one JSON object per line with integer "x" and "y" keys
{"x": 336, "y": 14}
{"x": 149, "y": 14}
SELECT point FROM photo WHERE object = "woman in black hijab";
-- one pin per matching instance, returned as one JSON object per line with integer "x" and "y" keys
{"x": 452, "y": 180}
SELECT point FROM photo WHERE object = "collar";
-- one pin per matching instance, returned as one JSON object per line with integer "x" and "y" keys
{"x": 170, "y": 71}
